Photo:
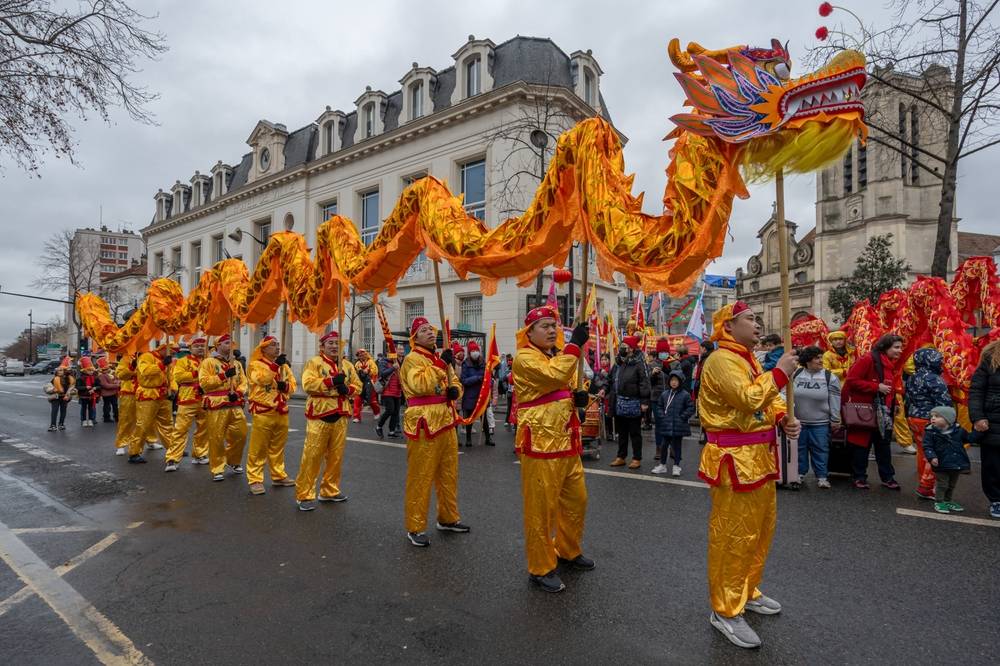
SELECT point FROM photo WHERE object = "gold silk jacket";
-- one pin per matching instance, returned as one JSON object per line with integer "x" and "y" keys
{"x": 547, "y": 423}
{"x": 263, "y": 377}
{"x": 425, "y": 379}
{"x": 317, "y": 382}
{"x": 126, "y": 374}
{"x": 216, "y": 387}
{"x": 838, "y": 365}
{"x": 184, "y": 380}
{"x": 151, "y": 375}
{"x": 739, "y": 406}
{"x": 369, "y": 366}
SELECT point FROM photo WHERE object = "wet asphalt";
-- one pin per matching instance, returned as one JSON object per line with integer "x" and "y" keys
{"x": 200, "y": 572}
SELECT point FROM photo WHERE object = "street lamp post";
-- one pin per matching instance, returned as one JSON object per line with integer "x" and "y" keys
{"x": 29, "y": 336}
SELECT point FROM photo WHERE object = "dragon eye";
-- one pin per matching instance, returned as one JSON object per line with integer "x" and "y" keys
{"x": 781, "y": 71}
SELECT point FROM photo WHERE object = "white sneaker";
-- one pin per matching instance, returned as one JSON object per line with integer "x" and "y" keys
{"x": 763, "y": 605}
{"x": 120, "y": 451}
{"x": 199, "y": 461}
{"x": 171, "y": 467}
{"x": 676, "y": 470}
{"x": 155, "y": 446}
{"x": 659, "y": 469}
{"x": 736, "y": 630}
{"x": 912, "y": 450}
{"x": 823, "y": 483}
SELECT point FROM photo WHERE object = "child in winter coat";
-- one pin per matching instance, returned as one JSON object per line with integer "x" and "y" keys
{"x": 944, "y": 448}
{"x": 673, "y": 414}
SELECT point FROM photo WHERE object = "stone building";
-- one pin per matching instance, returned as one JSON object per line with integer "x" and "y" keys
{"x": 466, "y": 124}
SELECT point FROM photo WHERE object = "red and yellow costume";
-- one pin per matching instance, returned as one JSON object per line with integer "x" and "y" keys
{"x": 184, "y": 382}
{"x": 366, "y": 367}
{"x": 838, "y": 364}
{"x": 431, "y": 440}
{"x": 269, "y": 407}
{"x": 326, "y": 423}
{"x": 125, "y": 372}
{"x": 225, "y": 423}
{"x": 739, "y": 406}
{"x": 152, "y": 408}
{"x": 548, "y": 444}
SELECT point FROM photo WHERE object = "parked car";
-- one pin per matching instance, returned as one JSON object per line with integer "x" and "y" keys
{"x": 43, "y": 368}
{"x": 13, "y": 367}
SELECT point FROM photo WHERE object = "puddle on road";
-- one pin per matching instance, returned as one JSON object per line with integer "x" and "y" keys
{"x": 178, "y": 514}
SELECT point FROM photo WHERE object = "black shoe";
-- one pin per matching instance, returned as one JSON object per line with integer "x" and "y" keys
{"x": 379, "y": 432}
{"x": 550, "y": 582}
{"x": 457, "y": 526}
{"x": 490, "y": 442}
{"x": 418, "y": 539}
{"x": 468, "y": 442}
{"x": 581, "y": 562}
{"x": 394, "y": 435}
{"x": 62, "y": 427}
{"x": 306, "y": 505}
{"x": 136, "y": 460}
{"x": 339, "y": 497}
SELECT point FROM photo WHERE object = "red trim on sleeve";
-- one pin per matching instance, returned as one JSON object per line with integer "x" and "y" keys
{"x": 222, "y": 377}
{"x": 328, "y": 382}
{"x": 780, "y": 378}
{"x": 572, "y": 350}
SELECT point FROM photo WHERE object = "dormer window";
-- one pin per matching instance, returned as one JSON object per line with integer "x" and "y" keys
{"x": 369, "y": 120}
{"x": 588, "y": 87}
{"x": 416, "y": 100}
{"x": 473, "y": 79}
{"x": 331, "y": 124}
{"x": 586, "y": 78}
{"x": 328, "y": 128}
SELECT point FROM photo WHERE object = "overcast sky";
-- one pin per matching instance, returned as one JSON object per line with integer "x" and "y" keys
{"x": 231, "y": 64}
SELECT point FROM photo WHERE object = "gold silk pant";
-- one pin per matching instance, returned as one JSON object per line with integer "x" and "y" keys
{"x": 226, "y": 432}
{"x": 126, "y": 421}
{"x": 431, "y": 462}
{"x": 186, "y": 415}
{"x": 324, "y": 444}
{"x": 152, "y": 417}
{"x": 268, "y": 435}
{"x": 555, "y": 507}
{"x": 900, "y": 428}
{"x": 740, "y": 528}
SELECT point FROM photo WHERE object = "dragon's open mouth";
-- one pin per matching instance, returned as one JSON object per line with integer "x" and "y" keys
{"x": 836, "y": 94}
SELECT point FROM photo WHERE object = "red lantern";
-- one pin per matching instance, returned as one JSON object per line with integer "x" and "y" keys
{"x": 825, "y": 9}
{"x": 561, "y": 276}
{"x": 822, "y": 33}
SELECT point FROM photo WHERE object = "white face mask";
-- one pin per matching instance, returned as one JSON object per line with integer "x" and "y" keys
{"x": 474, "y": 355}
{"x": 663, "y": 356}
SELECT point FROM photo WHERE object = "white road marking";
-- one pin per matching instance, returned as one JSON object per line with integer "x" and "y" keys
{"x": 52, "y": 530}
{"x": 104, "y": 639}
{"x": 640, "y": 477}
{"x": 949, "y": 517}
{"x": 36, "y": 451}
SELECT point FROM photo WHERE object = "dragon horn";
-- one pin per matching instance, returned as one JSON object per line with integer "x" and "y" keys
{"x": 681, "y": 60}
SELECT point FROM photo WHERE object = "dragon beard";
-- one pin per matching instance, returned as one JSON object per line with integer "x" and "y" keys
{"x": 813, "y": 145}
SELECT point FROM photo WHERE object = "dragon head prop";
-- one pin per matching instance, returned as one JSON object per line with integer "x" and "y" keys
{"x": 745, "y": 96}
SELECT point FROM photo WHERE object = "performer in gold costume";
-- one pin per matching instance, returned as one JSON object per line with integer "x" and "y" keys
{"x": 431, "y": 388}
{"x": 189, "y": 408}
{"x": 740, "y": 407}
{"x": 224, "y": 385}
{"x": 331, "y": 383}
{"x": 548, "y": 444}
{"x": 152, "y": 408}
{"x": 271, "y": 383}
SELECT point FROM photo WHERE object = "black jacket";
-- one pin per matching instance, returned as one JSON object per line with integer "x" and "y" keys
{"x": 631, "y": 379}
{"x": 674, "y": 411}
{"x": 984, "y": 401}
{"x": 947, "y": 447}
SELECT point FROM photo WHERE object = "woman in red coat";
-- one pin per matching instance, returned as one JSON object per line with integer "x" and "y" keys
{"x": 871, "y": 380}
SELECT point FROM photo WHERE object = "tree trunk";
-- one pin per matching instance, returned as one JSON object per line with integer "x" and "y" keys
{"x": 946, "y": 210}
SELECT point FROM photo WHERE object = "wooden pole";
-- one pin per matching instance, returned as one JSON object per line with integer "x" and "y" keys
{"x": 284, "y": 326}
{"x": 581, "y": 314}
{"x": 445, "y": 343}
{"x": 786, "y": 306}
{"x": 340, "y": 320}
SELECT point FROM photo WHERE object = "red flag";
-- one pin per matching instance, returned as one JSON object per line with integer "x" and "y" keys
{"x": 637, "y": 314}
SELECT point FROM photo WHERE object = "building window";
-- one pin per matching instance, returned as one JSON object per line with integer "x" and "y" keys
{"x": 158, "y": 264}
{"x": 370, "y": 330}
{"x": 328, "y": 127}
{"x": 369, "y": 116}
{"x": 369, "y": 217}
{"x": 862, "y": 166}
{"x": 107, "y": 254}
{"x": 474, "y": 188}
{"x": 264, "y": 231}
{"x": 412, "y": 310}
{"x": 218, "y": 249}
{"x": 175, "y": 263}
{"x": 416, "y": 100}
{"x": 109, "y": 268}
{"x": 470, "y": 312}
{"x": 195, "y": 263}
{"x": 902, "y": 142}
{"x": 588, "y": 87}
{"x": 123, "y": 255}
{"x": 327, "y": 210}
{"x": 123, "y": 241}
{"x": 848, "y": 173}
{"x": 914, "y": 142}
{"x": 472, "y": 79}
